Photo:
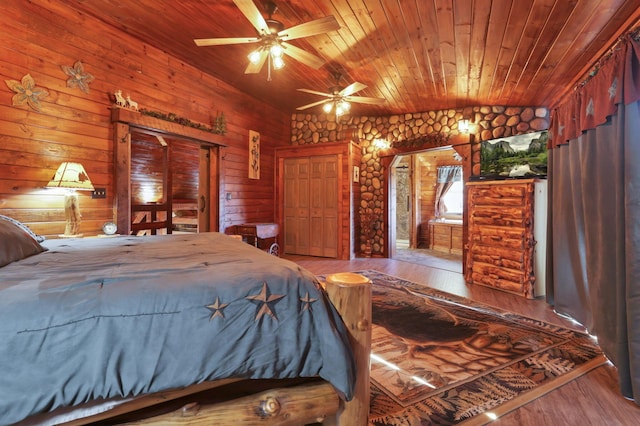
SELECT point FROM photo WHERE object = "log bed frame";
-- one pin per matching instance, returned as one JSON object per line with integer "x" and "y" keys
{"x": 290, "y": 402}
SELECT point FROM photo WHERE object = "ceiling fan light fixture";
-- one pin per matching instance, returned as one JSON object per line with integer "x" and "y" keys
{"x": 327, "y": 107}
{"x": 254, "y": 57}
{"x": 278, "y": 62}
{"x": 276, "y": 50}
{"x": 342, "y": 107}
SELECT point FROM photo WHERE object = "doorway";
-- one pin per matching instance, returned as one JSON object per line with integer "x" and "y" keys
{"x": 419, "y": 230}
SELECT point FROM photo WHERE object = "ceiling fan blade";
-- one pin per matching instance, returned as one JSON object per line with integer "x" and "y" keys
{"x": 315, "y": 92}
{"x": 319, "y": 26}
{"x": 221, "y": 41}
{"x": 251, "y": 12}
{"x": 365, "y": 100}
{"x": 311, "y": 105}
{"x": 303, "y": 56}
{"x": 255, "y": 68}
{"x": 352, "y": 88}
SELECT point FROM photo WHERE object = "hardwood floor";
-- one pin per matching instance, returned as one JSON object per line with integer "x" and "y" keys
{"x": 592, "y": 399}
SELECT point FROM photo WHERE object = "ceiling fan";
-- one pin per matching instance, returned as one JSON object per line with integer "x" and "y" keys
{"x": 340, "y": 98}
{"x": 272, "y": 37}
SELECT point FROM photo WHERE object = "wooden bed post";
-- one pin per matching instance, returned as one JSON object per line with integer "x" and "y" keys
{"x": 351, "y": 295}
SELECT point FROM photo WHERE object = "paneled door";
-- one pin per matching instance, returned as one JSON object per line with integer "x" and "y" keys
{"x": 311, "y": 206}
{"x": 296, "y": 206}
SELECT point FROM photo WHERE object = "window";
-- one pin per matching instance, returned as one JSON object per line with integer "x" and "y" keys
{"x": 449, "y": 192}
{"x": 453, "y": 200}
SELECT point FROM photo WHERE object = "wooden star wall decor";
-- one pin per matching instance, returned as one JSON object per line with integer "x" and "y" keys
{"x": 78, "y": 77}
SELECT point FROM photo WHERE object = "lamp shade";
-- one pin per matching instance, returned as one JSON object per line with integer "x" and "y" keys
{"x": 71, "y": 176}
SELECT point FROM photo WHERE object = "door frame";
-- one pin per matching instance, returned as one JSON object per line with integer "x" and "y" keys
{"x": 462, "y": 144}
{"x": 125, "y": 122}
{"x": 348, "y": 191}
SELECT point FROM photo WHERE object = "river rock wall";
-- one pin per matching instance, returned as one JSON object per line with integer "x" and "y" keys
{"x": 422, "y": 130}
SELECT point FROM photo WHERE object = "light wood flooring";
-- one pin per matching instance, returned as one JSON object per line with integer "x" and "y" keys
{"x": 592, "y": 399}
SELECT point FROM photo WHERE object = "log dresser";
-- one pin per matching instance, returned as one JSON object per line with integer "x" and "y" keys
{"x": 506, "y": 232}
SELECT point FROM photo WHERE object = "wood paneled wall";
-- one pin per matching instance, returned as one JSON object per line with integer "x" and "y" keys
{"x": 37, "y": 39}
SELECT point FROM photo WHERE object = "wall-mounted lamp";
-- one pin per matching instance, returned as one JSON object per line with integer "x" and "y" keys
{"x": 464, "y": 125}
{"x": 381, "y": 144}
{"x": 72, "y": 177}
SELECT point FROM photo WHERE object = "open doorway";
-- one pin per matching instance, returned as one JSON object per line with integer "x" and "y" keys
{"x": 427, "y": 215}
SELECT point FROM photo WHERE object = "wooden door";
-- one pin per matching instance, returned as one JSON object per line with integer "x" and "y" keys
{"x": 324, "y": 206}
{"x": 311, "y": 205}
{"x": 208, "y": 189}
{"x": 296, "y": 206}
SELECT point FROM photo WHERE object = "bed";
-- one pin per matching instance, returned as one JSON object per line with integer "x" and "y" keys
{"x": 98, "y": 327}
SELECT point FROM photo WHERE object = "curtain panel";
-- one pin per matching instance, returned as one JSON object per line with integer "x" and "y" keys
{"x": 446, "y": 176}
{"x": 593, "y": 263}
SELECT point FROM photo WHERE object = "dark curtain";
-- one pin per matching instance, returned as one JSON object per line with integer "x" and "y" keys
{"x": 446, "y": 176}
{"x": 593, "y": 268}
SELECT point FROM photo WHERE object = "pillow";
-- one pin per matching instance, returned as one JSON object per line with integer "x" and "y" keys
{"x": 38, "y": 238}
{"x": 15, "y": 242}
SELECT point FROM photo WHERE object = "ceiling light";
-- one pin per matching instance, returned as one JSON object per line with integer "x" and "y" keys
{"x": 277, "y": 62}
{"x": 254, "y": 57}
{"x": 276, "y": 50}
{"x": 342, "y": 107}
{"x": 327, "y": 107}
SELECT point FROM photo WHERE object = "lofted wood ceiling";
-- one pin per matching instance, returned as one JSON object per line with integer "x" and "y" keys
{"x": 419, "y": 55}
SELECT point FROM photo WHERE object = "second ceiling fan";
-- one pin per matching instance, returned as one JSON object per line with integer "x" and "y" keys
{"x": 273, "y": 37}
{"x": 339, "y": 98}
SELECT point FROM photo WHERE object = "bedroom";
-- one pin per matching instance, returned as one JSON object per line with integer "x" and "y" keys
{"x": 40, "y": 37}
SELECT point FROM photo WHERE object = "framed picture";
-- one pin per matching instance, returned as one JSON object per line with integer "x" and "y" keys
{"x": 254, "y": 155}
{"x": 520, "y": 156}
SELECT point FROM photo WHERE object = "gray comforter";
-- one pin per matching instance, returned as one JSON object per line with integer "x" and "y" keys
{"x": 119, "y": 317}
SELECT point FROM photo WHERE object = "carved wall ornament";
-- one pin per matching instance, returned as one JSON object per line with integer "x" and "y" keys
{"x": 119, "y": 99}
{"x": 78, "y": 77}
{"x": 27, "y": 92}
{"x": 220, "y": 125}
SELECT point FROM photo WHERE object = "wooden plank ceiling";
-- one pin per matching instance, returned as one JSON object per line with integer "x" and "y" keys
{"x": 419, "y": 55}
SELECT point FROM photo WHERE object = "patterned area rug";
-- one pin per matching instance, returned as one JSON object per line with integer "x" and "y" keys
{"x": 440, "y": 359}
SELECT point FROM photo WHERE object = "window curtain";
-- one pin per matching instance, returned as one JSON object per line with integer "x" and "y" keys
{"x": 446, "y": 176}
{"x": 593, "y": 263}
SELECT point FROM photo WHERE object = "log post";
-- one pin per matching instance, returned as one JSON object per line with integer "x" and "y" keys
{"x": 351, "y": 295}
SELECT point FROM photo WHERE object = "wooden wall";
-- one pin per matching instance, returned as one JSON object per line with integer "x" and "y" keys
{"x": 40, "y": 37}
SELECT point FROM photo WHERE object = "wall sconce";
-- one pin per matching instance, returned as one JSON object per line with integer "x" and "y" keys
{"x": 381, "y": 144}
{"x": 464, "y": 125}
{"x": 71, "y": 176}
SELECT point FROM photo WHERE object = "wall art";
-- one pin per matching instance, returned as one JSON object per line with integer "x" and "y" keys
{"x": 78, "y": 77}
{"x": 27, "y": 92}
{"x": 254, "y": 155}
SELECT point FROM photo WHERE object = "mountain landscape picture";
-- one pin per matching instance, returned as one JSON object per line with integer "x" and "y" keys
{"x": 520, "y": 156}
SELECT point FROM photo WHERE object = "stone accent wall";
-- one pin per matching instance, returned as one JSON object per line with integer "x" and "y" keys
{"x": 422, "y": 130}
